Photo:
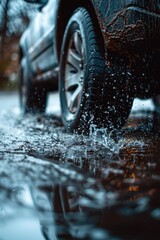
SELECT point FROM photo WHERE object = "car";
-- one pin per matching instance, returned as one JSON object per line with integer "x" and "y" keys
{"x": 100, "y": 54}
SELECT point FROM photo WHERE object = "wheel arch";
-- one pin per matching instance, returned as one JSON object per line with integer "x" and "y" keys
{"x": 65, "y": 11}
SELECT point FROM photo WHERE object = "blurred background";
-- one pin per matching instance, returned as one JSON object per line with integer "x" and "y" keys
{"x": 15, "y": 15}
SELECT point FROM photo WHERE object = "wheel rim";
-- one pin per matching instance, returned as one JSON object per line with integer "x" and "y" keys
{"x": 74, "y": 73}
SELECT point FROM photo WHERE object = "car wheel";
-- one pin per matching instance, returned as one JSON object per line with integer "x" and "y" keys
{"x": 91, "y": 93}
{"x": 32, "y": 97}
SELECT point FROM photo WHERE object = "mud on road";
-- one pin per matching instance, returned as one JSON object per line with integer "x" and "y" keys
{"x": 77, "y": 187}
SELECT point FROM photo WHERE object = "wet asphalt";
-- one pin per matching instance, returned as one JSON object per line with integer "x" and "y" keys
{"x": 55, "y": 185}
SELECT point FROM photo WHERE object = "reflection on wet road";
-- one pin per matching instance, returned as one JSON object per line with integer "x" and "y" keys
{"x": 59, "y": 186}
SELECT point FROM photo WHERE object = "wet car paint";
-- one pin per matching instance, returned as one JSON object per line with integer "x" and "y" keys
{"x": 128, "y": 25}
{"x": 77, "y": 187}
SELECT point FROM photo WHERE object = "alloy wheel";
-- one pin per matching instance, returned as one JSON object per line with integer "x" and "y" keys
{"x": 74, "y": 73}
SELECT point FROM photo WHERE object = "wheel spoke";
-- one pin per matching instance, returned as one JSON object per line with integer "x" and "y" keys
{"x": 74, "y": 59}
{"x": 75, "y": 99}
{"x": 72, "y": 80}
{"x": 78, "y": 43}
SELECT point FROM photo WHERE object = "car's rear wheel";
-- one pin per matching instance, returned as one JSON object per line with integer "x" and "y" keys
{"x": 33, "y": 97}
{"x": 91, "y": 93}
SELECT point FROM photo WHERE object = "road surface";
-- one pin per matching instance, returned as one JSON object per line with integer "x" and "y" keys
{"x": 55, "y": 185}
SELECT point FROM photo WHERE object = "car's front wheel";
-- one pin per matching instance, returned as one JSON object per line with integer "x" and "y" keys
{"x": 91, "y": 93}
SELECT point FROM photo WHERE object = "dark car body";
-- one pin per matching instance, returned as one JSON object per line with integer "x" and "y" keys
{"x": 125, "y": 26}
{"x": 130, "y": 29}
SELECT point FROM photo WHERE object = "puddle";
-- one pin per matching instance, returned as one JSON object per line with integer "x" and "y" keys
{"x": 60, "y": 186}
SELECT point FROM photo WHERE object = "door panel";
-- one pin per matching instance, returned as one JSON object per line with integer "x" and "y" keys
{"x": 46, "y": 59}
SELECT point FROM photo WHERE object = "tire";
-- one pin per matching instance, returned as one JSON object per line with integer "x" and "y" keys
{"x": 91, "y": 93}
{"x": 33, "y": 97}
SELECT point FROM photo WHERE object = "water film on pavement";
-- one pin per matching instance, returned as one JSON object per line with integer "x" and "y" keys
{"x": 55, "y": 185}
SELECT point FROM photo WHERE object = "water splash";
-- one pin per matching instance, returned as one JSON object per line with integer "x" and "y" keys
{"x": 134, "y": 143}
{"x": 104, "y": 138}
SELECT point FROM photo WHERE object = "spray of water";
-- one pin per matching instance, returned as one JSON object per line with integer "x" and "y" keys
{"x": 103, "y": 137}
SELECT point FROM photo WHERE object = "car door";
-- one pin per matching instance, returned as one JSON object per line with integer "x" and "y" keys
{"x": 46, "y": 59}
{"x": 35, "y": 36}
